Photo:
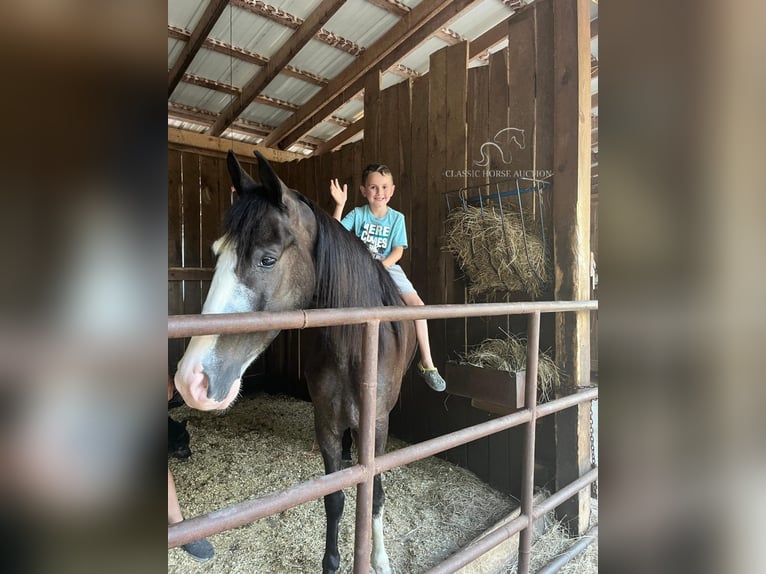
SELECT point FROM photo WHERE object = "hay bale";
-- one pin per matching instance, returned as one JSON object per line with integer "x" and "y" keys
{"x": 510, "y": 354}
{"x": 497, "y": 253}
{"x": 265, "y": 443}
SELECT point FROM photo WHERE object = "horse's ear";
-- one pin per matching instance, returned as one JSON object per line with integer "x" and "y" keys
{"x": 239, "y": 178}
{"x": 269, "y": 180}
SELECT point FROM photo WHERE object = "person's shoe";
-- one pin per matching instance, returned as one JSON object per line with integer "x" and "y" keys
{"x": 201, "y": 550}
{"x": 432, "y": 377}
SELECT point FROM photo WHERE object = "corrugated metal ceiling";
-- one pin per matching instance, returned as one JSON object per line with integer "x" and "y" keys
{"x": 258, "y": 29}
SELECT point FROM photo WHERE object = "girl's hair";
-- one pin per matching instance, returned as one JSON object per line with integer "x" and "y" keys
{"x": 382, "y": 169}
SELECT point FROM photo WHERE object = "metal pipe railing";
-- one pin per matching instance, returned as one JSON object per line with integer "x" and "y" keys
{"x": 363, "y": 473}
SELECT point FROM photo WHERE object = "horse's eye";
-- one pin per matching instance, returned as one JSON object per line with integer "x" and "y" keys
{"x": 268, "y": 261}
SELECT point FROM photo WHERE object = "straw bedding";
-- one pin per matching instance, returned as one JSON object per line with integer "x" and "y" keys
{"x": 510, "y": 354}
{"x": 265, "y": 443}
{"x": 497, "y": 252}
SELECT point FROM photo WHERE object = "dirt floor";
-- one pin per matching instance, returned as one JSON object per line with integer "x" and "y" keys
{"x": 264, "y": 443}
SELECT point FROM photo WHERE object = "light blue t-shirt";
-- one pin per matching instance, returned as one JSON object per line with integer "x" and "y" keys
{"x": 379, "y": 235}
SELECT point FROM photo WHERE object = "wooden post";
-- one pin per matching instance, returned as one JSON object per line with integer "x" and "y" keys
{"x": 571, "y": 234}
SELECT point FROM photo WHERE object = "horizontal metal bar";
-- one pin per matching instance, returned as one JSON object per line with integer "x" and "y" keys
{"x": 564, "y": 493}
{"x": 252, "y": 510}
{"x": 490, "y": 539}
{"x": 230, "y": 323}
{"x": 483, "y": 545}
{"x": 436, "y": 445}
{"x": 562, "y": 559}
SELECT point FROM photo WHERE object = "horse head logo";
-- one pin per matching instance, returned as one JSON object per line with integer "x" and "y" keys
{"x": 502, "y": 143}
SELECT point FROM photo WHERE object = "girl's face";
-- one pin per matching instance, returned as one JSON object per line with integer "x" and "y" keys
{"x": 378, "y": 189}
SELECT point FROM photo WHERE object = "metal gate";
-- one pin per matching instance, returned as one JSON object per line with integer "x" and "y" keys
{"x": 368, "y": 465}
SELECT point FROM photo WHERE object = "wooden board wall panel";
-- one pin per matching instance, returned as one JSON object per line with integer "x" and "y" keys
{"x": 478, "y": 133}
{"x": 404, "y": 117}
{"x": 455, "y": 161}
{"x": 371, "y": 116}
{"x": 175, "y": 298}
{"x": 571, "y": 212}
{"x": 497, "y": 120}
{"x": 210, "y": 189}
{"x": 521, "y": 97}
{"x": 544, "y": 106}
{"x": 388, "y": 140}
{"x": 191, "y": 222}
{"x": 419, "y": 186}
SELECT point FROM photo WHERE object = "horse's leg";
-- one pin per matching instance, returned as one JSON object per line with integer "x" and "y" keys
{"x": 346, "y": 450}
{"x": 379, "y": 559}
{"x": 330, "y": 445}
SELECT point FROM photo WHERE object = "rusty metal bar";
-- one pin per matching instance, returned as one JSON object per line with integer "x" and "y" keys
{"x": 528, "y": 462}
{"x": 252, "y": 510}
{"x": 230, "y": 323}
{"x": 493, "y": 538}
{"x": 563, "y": 559}
{"x": 366, "y": 448}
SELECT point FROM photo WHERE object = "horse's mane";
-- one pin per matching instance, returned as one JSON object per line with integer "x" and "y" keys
{"x": 348, "y": 276}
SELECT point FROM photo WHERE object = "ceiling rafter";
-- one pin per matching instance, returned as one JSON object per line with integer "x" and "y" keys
{"x": 449, "y": 36}
{"x": 393, "y": 6}
{"x": 341, "y": 138}
{"x": 403, "y": 71}
{"x": 247, "y": 56}
{"x": 408, "y": 33}
{"x": 206, "y": 118}
{"x": 289, "y": 49}
{"x": 286, "y": 19}
{"x": 196, "y": 39}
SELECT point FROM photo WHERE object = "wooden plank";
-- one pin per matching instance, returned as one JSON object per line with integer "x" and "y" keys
{"x": 185, "y": 140}
{"x": 341, "y": 138}
{"x": 571, "y": 211}
{"x": 191, "y": 223}
{"x": 190, "y": 273}
{"x": 388, "y": 142}
{"x": 404, "y": 118}
{"x": 544, "y": 107}
{"x": 175, "y": 300}
{"x": 455, "y": 159}
{"x": 210, "y": 190}
{"x": 497, "y": 120}
{"x": 372, "y": 117}
{"x": 478, "y": 133}
{"x": 419, "y": 186}
{"x": 521, "y": 99}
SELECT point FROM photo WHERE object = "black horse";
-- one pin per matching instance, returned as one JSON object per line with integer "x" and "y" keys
{"x": 280, "y": 251}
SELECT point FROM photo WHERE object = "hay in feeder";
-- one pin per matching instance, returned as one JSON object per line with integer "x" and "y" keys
{"x": 264, "y": 443}
{"x": 510, "y": 354}
{"x": 497, "y": 252}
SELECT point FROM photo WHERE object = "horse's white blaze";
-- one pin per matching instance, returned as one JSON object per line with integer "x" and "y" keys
{"x": 379, "y": 559}
{"x": 226, "y": 295}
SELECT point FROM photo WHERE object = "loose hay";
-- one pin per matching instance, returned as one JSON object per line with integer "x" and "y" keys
{"x": 263, "y": 444}
{"x": 496, "y": 253}
{"x": 510, "y": 354}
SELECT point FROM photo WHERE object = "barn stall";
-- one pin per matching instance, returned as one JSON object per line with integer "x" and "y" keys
{"x": 438, "y": 84}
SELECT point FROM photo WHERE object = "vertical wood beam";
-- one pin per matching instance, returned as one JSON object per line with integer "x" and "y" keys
{"x": 371, "y": 116}
{"x": 571, "y": 229}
